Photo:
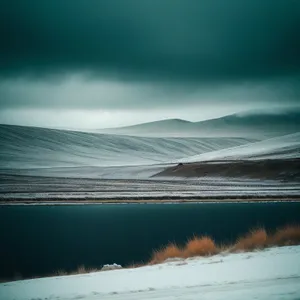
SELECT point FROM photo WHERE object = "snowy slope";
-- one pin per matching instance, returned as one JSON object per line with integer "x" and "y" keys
{"x": 287, "y": 146}
{"x": 259, "y": 125}
{"x": 30, "y": 147}
{"x": 270, "y": 274}
{"x": 162, "y": 128}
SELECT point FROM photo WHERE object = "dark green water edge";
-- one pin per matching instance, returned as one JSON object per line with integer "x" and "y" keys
{"x": 37, "y": 240}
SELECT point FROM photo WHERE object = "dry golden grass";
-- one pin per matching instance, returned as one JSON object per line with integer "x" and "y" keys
{"x": 169, "y": 251}
{"x": 135, "y": 265}
{"x": 225, "y": 248}
{"x": 83, "y": 270}
{"x": 288, "y": 235}
{"x": 197, "y": 246}
{"x": 80, "y": 270}
{"x": 200, "y": 246}
{"x": 255, "y": 239}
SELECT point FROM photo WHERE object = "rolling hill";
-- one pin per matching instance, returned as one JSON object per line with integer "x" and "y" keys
{"x": 33, "y": 147}
{"x": 258, "y": 126}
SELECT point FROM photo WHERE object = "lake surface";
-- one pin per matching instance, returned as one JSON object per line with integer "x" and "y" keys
{"x": 39, "y": 240}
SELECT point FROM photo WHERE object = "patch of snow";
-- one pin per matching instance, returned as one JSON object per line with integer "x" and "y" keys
{"x": 271, "y": 274}
{"x": 111, "y": 267}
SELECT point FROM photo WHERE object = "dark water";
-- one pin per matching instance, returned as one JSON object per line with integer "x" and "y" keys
{"x": 38, "y": 240}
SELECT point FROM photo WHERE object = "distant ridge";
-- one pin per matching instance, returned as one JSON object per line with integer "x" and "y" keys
{"x": 160, "y": 128}
{"x": 251, "y": 125}
{"x": 160, "y": 124}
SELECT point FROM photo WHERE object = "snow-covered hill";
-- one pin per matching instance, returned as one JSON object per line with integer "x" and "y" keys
{"x": 161, "y": 128}
{"x": 31, "y": 147}
{"x": 270, "y": 274}
{"x": 250, "y": 125}
{"x": 287, "y": 146}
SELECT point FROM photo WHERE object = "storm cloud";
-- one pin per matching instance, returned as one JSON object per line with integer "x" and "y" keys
{"x": 90, "y": 63}
{"x": 208, "y": 40}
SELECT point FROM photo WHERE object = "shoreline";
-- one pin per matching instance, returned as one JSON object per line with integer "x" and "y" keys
{"x": 194, "y": 200}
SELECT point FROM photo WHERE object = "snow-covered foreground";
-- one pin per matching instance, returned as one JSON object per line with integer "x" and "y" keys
{"x": 270, "y": 274}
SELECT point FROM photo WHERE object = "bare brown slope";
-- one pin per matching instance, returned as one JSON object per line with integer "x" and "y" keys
{"x": 275, "y": 169}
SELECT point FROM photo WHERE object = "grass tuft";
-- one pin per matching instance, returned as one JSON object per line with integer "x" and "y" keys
{"x": 60, "y": 273}
{"x": 135, "y": 265}
{"x": 254, "y": 240}
{"x": 285, "y": 236}
{"x": 169, "y": 251}
{"x": 80, "y": 270}
{"x": 200, "y": 246}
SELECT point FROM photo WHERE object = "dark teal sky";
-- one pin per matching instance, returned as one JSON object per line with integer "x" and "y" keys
{"x": 117, "y": 56}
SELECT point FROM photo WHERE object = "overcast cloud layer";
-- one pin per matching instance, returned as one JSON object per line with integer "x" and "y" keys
{"x": 207, "y": 39}
{"x": 115, "y": 55}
